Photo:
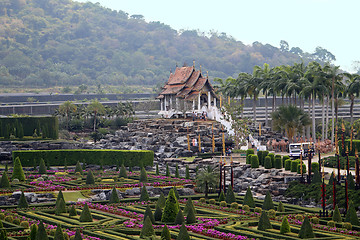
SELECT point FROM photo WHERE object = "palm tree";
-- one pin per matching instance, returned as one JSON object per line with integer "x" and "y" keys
{"x": 65, "y": 109}
{"x": 208, "y": 177}
{"x": 352, "y": 90}
{"x": 250, "y": 84}
{"x": 291, "y": 119}
{"x": 96, "y": 108}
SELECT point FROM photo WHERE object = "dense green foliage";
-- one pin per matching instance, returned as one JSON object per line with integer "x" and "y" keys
{"x": 4, "y": 182}
{"x": 107, "y": 157}
{"x": 41, "y": 232}
{"x": 23, "y": 203}
{"x": 114, "y": 198}
{"x": 306, "y": 230}
{"x": 248, "y": 199}
{"x": 45, "y": 127}
{"x": 179, "y": 218}
{"x": 336, "y": 215}
{"x": 264, "y": 222}
{"x": 230, "y": 196}
{"x": 267, "y": 162}
{"x": 285, "y": 226}
{"x": 72, "y": 211}
{"x": 221, "y": 196}
{"x": 60, "y": 207}
{"x": 18, "y": 171}
{"x": 123, "y": 172}
{"x": 268, "y": 203}
{"x": 190, "y": 216}
{"x": 165, "y": 233}
{"x": 281, "y": 207}
{"x": 144, "y": 196}
{"x": 183, "y": 233}
{"x": 148, "y": 229}
{"x": 161, "y": 201}
{"x": 157, "y": 213}
{"x": 85, "y": 215}
{"x": 148, "y": 213}
{"x": 187, "y": 172}
{"x": 351, "y": 215}
{"x": 59, "y": 235}
{"x": 287, "y": 164}
{"x": 42, "y": 167}
{"x": 78, "y": 168}
{"x": 78, "y": 235}
{"x": 254, "y": 161}
{"x": 143, "y": 175}
{"x": 189, "y": 205}
{"x": 90, "y": 178}
{"x": 278, "y": 162}
{"x": 171, "y": 208}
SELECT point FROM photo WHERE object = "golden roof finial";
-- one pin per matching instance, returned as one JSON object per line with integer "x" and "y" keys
{"x": 207, "y": 74}
{"x": 193, "y": 63}
{"x": 200, "y": 68}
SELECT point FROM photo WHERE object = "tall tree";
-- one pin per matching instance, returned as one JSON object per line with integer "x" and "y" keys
{"x": 207, "y": 178}
{"x": 96, "y": 108}
{"x": 66, "y": 109}
{"x": 352, "y": 90}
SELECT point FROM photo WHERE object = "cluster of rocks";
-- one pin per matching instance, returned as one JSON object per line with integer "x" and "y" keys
{"x": 31, "y": 197}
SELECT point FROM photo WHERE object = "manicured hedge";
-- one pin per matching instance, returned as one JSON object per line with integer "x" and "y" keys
{"x": 105, "y": 157}
{"x": 47, "y": 126}
{"x": 355, "y": 144}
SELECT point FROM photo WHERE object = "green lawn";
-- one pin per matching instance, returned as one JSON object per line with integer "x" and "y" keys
{"x": 72, "y": 196}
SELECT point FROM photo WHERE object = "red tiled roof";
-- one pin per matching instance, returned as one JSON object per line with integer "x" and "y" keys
{"x": 172, "y": 89}
{"x": 192, "y": 80}
{"x": 199, "y": 84}
{"x": 181, "y": 75}
{"x": 192, "y": 95}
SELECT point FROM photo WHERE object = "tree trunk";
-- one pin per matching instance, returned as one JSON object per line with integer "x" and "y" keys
{"x": 206, "y": 190}
{"x": 94, "y": 121}
{"x": 313, "y": 118}
{"x": 254, "y": 107}
{"x": 323, "y": 119}
{"x": 266, "y": 110}
{"x": 332, "y": 111}
{"x": 308, "y": 127}
{"x": 327, "y": 117}
{"x": 351, "y": 108}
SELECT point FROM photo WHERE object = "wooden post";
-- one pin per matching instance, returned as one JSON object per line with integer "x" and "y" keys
{"x": 232, "y": 172}
{"x": 357, "y": 177}
{"x": 334, "y": 191}
{"x": 220, "y": 165}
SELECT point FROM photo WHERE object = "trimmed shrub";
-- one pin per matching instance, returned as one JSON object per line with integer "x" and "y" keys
{"x": 351, "y": 182}
{"x": 90, "y": 178}
{"x": 230, "y": 196}
{"x": 314, "y": 166}
{"x": 202, "y": 200}
{"x": 257, "y": 210}
{"x": 16, "y": 221}
{"x": 85, "y": 215}
{"x": 4, "y": 183}
{"x": 250, "y": 151}
{"x": 9, "y": 219}
{"x": 260, "y": 156}
{"x": 187, "y": 172}
{"x": 42, "y": 167}
{"x": 171, "y": 208}
{"x": 189, "y": 205}
{"x": 59, "y": 235}
{"x": 336, "y": 215}
{"x": 143, "y": 175}
{"x": 223, "y": 204}
{"x": 248, "y": 158}
{"x": 60, "y": 207}
{"x": 351, "y": 215}
{"x": 23, "y": 203}
{"x": 306, "y": 230}
{"x": 268, "y": 203}
{"x": 267, "y": 162}
{"x": 148, "y": 213}
{"x": 299, "y": 217}
{"x": 157, "y": 170}
{"x": 264, "y": 222}
{"x": 288, "y": 164}
{"x": 3, "y": 235}
{"x": 190, "y": 216}
{"x": 24, "y": 224}
{"x": 18, "y": 171}
{"x": 147, "y": 229}
{"x": 176, "y": 193}
{"x": 144, "y": 197}
{"x": 281, "y": 207}
{"x": 72, "y": 211}
{"x": 41, "y": 232}
{"x": 248, "y": 199}
{"x": 114, "y": 198}
{"x": 294, "y": 165}
{"x": 60, "y": 196}
{"x": 347, "y": 225}
{"x": 165, "y": 233}
{"x": 272, "y": 157}
{"x": 157, "y": 214}
{"x": 183, "y": 233}
{"x": 314, "y": 220}
{"x": 331, "y": 224}
{"x": 234, "y": 205}
{"x": 77, "y": 235}
{"x": 303, "y": 168}
{"x": 33, "y": 231}
{"x": 167, "y": 174}
{"x": 285, "y": 226}
{"x": 177, "y": 175}
{"x": 212, "y": 201}
{"x": 161, "y": 201}
{"x": 246, "y": 208}
{"x": 271, "y": 213}
{"x": 316, "y": 177}
{"x": 278, "y": 162}
{"x": 284, "y": 158}
{"x": 123, "y": 172}
{"x": 254, "y": 161}
{"x": 78, "y": 168}
{"x": 179, "y": 217}
{"x": 221, "y": 196}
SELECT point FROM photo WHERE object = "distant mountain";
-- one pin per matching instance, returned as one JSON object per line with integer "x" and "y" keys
{"x": 61, "y": 42}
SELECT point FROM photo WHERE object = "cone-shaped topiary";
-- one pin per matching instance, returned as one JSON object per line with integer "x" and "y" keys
{"x": 285, "y": 226}
{"x": 183, "y": 233}
{"x": 177, "y": 175}
{"x": 144, "y": 194}
{"x": 264, "y": 222}
{"x": 130, "y": 169}
{"x": 23, "y": 203}
{"x": 41, "y": 232}
{"x": 171, "y": 208}
{"x": 179, "y": 217}
{"x": 147, "y": 229}
{"x": 248, "y": 199}
{"x": 165, "y": 233}
{"x": 267, "y": 162}
{"x": 85, "y": 215}
{"x": 114, "y": 198}
{"x": 18, "y": 171}
{"x": 336, "y": 215}
{"x": 230, "y": 196}
{"x": 268, "y": 203}
{"x": 190, "y": 217}
{"x": 306, "y": 230}
{"x": 157, "y": 170}
{"x": 167, "y": 171}
{"x": 72, "y": 211}
{"x": 59, "y": 235}
{"x": 3, "y": 235}
{"x": 143, "y": 175}
{"x": 254, "y": 161}
{"x": 123, "y": 172}
{"x": 161, "y": 201}
{"x": 316, "y": 178}
{"x": 78, "y": 235}
{"x": 281, "y": 207}
{"x": 157, "y": 213}
{"x": 90, "y": 178}
{"x": 351, "y": 215}
{"x": 351, "y": 182}
{"x": 33, "y": 231}
{"x": 221, "y": 196}
{"x": 1, "y": 224}
{"x": 187, "y": 172}
{"x": 149, "y": 213}
{"x": 60, "y": 196}
{"x": 78, "y": 168}
{"x": 60, "y": 207}
{"x": 4, "y": 183}
{"x": 189, "y": 204}
{"x": 176, "y": 193}
{"x": 42, "y": 167}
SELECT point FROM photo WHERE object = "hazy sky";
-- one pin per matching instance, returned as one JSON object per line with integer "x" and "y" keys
{"x": 331, "y": 24}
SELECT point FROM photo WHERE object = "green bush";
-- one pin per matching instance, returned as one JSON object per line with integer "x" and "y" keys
{"x": 33, "y": 231}
{"x": 250, "y": 151}
{"x": 9, "y": 219}
{"x": 288, "y": 164}
{"x": 314, "y": 166}
{"x": 59, "y": 235}
{"x": 347, "y": 226}
{"x": 77, "y": 235}
{"x": 165, "y": 233}
{"x": 190, "y": 217}
{"x": 331, "y": 224}
{"x": 284, "y": 158}
{"x": 351, "y": 215}
{"x": 4, "y": 183}
{"x": 223, "y": 204}
{"x": 189, "y": 205}
{"x": 221, "y": 196}
{"x": 254, "y": 161}
{"x": 157, "y": 214}
{"x": 202, "y": 200}
{"x": 176, "y": 193}
{"x": 171, "y": 208}
{"x": 114, "y": 198}
{"x": 303, "y": 168}
{"x": 246, "y": 208}
{"x": 281, "y": 207}
{"x": 161, "y": 201}
{"x": 167, "y": 170}
{"x": 60, "y": 207}
{"x": 22, "y": 201}
{"x": 316, "y": 178}
{"x": 212, "y": 201}
{"x": 85, "y": 215}
{"x": 267, "y": 162}
{"x": 234, "y": 205}
{"x": 179, "y": 217}
{"x": 306, "y": 230}
{"x": 24, "y": 224}
{"x": 248, "y": 199}
{"x": 42, "y": 167}
{"x": 299, "y": 217}
{"x": 41, "y": 232}
{"x": 294, "y": 165}
{"x": 72, "y": 211}
{"x": 16, "y": 221}
{"x": 148, "y": 213}
{"x": 130, "y": 158}
{"x": 123, "y": 172}
{"x": 268, "y": 203}
{"x": 78, "y": 168}
{"x": 278, "y": 162}
{"x": 183, "y": 233}
{"x": 187, "y": 172}
{"x": 147, "y": 229}
{"x": 272, "y": 157}
{"x": 144, "y": 197}
{"x": 248, "y": 158}
{"x": 264, "y": 222}
{"x": 336, "y": 215}
{"x": 285, "y": 226}
{"x": 257, "y": 210}
{"x": 90, "y": 178}
{"x": 230, "y": 196}
{"x": 143, "y": 175}
{"x": 314, "y": 220}
{"x": 351, "y": 182}
{"x": 18, "y": 171}
{"x": 271, "y": 213}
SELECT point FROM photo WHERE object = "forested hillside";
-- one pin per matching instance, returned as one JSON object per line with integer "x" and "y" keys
{"x": 62, "y": 42}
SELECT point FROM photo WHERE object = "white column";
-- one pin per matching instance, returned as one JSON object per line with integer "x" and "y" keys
{"x": 209, "y": 100}
{"x": 161, "y": 104}
{"x": 170, "y": 102}
{"x": 165, "y": 109}
{"x": 176, "y": 104}
{"x": 193, "y": 107}
{"x": 214, "y": 101}
{"x": 199, "y": 106}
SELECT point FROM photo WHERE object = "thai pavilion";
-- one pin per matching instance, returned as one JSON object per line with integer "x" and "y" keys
{"x": 188, "y": 91}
